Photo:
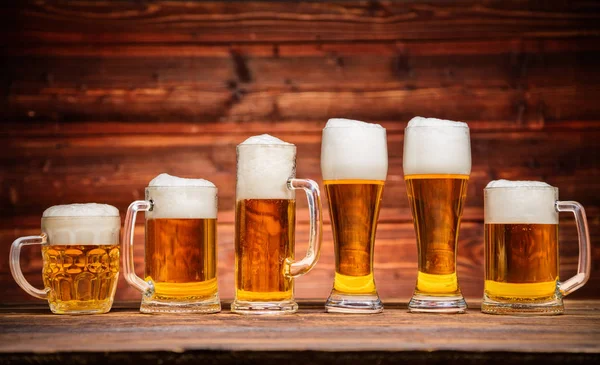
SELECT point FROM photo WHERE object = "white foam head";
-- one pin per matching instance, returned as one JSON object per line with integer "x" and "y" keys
{"x": 436, "y": 146}
{"x": 264, "y": 164}
{"x": 82, "y": 224}
{"x": 180, "y": 198}
{"x": 511, "y": 202}
{"x": 352, "y": 149}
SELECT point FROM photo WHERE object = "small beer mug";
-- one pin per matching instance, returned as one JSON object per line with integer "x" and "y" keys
{"x": 264, "y": 227}
{"x": 521, "y": 249}
{"x": 180, "y": 274}
{"x": 80, "y": 258}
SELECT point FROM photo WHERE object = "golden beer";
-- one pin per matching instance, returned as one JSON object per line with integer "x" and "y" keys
{"x": 521, "y": 261}
{"x": 80, "y": 278}
{"x": 354, "y": 209}
{"x": 264, "y": 240}
{"x": 180, "y": 258}
{"x": 436, "y": 202}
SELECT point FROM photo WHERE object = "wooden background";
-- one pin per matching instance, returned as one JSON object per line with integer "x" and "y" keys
{"x": 99, "y": 97}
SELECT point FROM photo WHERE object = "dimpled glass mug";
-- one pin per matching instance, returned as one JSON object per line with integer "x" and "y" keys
{"x": 80, "y": 256}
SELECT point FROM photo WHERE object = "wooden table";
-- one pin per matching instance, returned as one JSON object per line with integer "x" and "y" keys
{"x": 33, "y": 334}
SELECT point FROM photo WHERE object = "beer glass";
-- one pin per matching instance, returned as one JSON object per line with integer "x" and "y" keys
{"x": 180, "y": 263}
{"x": 521, "y": 249}
{"x": 354, "y": 165}
{"x": 264, "y": 227}
{"x": 437, "y": 165}
{"x": 80, "y": 258}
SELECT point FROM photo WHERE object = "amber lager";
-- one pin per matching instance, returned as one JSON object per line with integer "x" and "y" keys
{"x": 354, "y": 165}
{"x": 521, "y": 248}
{"x": 437, "y": 164}
{"x": 180, "y": 266}
{"x": 80, "y": 258}
{"x": 264, "y": 227}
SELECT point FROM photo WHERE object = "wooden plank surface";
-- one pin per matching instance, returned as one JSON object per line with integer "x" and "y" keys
{"x": 33, "y": 330}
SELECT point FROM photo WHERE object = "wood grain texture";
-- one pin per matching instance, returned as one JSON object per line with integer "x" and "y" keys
{"x": 98, "y": 97}
{"x": 26, "y": 329}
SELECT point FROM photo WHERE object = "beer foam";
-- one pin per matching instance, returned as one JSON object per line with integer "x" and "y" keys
{"x": 82, "y": 224}
{"x": 351, "y": 149}
{"x": 81, "y": 210}
{"x": 436, "y": 146}
{"x": 169, "y": 180}
{"x": 264, "y": 164}
{"x": 512, "y": 202}
{"x": 180, "y": 198}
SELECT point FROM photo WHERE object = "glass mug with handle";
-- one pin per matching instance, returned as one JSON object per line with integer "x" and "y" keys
{"x": 80, "y": 258}
{"x": 437, "y": 165}
{"x": 180, "y": 264}
{"x": 521, "y": 248}
{"x": 264, "y": 227}
{"x": 354, "y": 164}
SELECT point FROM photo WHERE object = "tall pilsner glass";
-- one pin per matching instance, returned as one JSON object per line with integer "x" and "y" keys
{"x": 437, "y": 164}
{"x": 521, "y": 248}
{"x": 354, "y": 165}
{"x": 264, "y": 227}
{"x": 180, "y": 271}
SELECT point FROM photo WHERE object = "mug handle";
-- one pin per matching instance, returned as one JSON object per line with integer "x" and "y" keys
{"x": 15, "y": 265}
{"x": 146, "y": 288}
{"x": 583, "y": 267}
{"x": 299, "y": 268}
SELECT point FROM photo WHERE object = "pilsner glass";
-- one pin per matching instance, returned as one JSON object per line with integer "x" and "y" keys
{"x": 264, "y": 227}
{"x": 180, "y": 271}
{"x": 354, "y": 165}
{"x": 521, "y": 248}
{"x": 80, "y": 258}
{"x": 437, "y": 165}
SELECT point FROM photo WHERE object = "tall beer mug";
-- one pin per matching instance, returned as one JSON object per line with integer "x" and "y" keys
{"x": 437, "y": 164}
{"x": 354, "y": 164}
{"x": 180, "y": 274}
{"x": 80, "y": 258}
{"x": 264, "y": 227}
{"x": 521, "y": 248}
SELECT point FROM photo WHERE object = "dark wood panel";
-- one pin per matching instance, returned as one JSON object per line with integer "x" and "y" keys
{"x": 395, "y": 261}
{"x": 213, "y": 22}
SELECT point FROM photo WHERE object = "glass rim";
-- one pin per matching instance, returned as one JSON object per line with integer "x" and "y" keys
{"x": 438, "y": 126}
{"x": 83, "y": 217}
{"x": 180, "y": 187}
{"x": 288, "y": 145}
{"x": 521, "y": 188}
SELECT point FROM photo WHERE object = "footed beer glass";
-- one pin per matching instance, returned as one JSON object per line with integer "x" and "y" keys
{"x": 354, "y": 165}
{"x": 180, "y": 271}
{"x": 264, "y": 227}
{"x": 521, "y": 249}
{"x": 437, "y": 165}
{"x": 80, "y": 258}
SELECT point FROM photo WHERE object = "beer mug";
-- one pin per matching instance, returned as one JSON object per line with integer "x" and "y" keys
{"x": 180, "y": 264}
{"x": 264, "y": 227}
{"x": 521, "y": 248}
{"x": 437, "y": 165}
{"x": 80, "y": 258}
{"x": 354, "y": 165}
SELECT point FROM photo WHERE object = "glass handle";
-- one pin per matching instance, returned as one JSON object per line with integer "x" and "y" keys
{"x": 15, "y": 265}
{"x": 311, "y": 188}
{"x": 135, "y": 281}
{"x": 583, "y": 268}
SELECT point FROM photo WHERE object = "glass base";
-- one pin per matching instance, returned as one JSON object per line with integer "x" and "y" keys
{"x": 77, "y": 307}
{"x": 549, "y": 307}
{"x": 353, "y": 303}
{"x": 269, "y": 308}
{"x": 422, "y": 303}
{"x": 152, "y": 305}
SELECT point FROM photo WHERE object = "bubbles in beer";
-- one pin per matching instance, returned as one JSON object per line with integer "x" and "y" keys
{"x": 352, "y": 149}
{"x": 176, "y": 197}
{"x": 436, "y": 146}
{"x": 82, "y": 224}
{"x": 530, "y": 202}
{"x": 264, "y": 164}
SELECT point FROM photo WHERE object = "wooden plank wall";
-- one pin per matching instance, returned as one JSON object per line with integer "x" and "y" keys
{"x": 99, "y": 97}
